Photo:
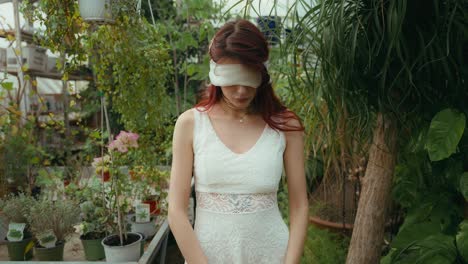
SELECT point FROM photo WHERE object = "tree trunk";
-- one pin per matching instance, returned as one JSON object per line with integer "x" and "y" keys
{"x": 367, "y": 237}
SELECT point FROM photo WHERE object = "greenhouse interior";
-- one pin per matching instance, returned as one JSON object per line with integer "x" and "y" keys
{"x": 234, "y": 131}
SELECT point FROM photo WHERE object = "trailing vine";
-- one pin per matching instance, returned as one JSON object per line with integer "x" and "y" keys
{"x": 130, "y": 60}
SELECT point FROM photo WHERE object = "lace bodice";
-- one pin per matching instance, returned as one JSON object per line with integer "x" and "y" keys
{"x": 236, "y": 203}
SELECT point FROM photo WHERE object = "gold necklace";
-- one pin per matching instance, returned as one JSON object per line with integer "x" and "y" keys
{"x": 241, "y": 120}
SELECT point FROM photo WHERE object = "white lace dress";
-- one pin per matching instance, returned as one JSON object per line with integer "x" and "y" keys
{"x": 237, "y": 216}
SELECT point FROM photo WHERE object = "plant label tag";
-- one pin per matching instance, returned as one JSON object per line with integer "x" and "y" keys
{"x": 15, "y": 231}
{"x": 142, "y": 213}
{"x": 47, "y": 239}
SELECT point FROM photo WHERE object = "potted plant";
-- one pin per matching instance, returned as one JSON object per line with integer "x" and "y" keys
{"x": 142, "y": 221}
{"x": 51, "y": 181}
{"x": 123, "y": 246}
{"x": 51, "y": 222}
{"x": 20, "y": 154}
{"x": 101, "y": 167}
{"x": 147, "y": 185}
{"x": 15, "y": 209}
{"x": 96, "y": 219}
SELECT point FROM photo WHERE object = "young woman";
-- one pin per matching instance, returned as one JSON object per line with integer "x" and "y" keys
{"x": 236, "y": 142}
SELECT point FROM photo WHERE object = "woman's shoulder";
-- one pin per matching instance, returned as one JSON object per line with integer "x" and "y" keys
{"x": 186, "y": 119}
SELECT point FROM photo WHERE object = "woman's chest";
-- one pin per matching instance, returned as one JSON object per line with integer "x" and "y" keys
{"x": 259, "y": 169}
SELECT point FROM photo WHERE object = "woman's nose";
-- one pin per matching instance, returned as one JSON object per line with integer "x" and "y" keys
{"x": 242, "y": 89}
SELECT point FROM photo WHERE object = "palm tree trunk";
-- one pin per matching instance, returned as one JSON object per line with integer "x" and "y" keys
{"x": 366, "y": 241}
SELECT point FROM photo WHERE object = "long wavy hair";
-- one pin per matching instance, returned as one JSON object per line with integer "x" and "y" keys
{"x": 243, "y": 41}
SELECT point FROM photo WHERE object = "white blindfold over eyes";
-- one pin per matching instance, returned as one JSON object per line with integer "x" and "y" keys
{"x": 234, "y": 74}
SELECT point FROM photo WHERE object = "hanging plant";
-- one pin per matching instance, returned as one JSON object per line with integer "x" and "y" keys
{"x": 95, "y": 10}
{"x": 130, "y": 60}
{"x": 64, "y": 29}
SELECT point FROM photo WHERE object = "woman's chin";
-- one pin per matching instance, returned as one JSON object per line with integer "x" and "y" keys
{"x": 241, "y": 104}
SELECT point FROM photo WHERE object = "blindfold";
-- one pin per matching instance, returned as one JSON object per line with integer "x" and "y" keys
{"x": 234, "y": 74}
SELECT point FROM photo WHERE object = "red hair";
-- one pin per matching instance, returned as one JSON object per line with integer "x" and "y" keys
{"x": 243, "y": 41}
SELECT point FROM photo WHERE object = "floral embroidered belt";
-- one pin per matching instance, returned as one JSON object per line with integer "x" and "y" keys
{"x": 233, "y": 203}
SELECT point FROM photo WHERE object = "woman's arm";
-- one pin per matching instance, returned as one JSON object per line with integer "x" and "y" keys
{"x": 179, "y": 190}
{"x": 298, "y": 202}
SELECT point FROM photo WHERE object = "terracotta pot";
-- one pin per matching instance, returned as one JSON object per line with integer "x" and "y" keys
{"x": 133, "y": 176}
{"x": 66, "y": 183}
{"x": 106, "y": 176}
{"x": 331, "y": 226}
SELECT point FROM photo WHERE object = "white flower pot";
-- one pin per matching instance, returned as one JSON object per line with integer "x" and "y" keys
{"x": 95, "y": 10}
{"x": 126, "y": 253}
{"x": 147, "y": 228}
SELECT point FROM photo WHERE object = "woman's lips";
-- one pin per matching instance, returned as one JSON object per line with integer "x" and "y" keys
{"x": 242, "y": 100}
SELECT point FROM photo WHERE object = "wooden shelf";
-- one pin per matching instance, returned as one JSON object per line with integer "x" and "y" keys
{"x": 72, "y": 117}
{"x": 26, "y": 36}
{"x": 60, "y": 146}
{"x": 56, "y": 76}
{"x": 10, "y": 1}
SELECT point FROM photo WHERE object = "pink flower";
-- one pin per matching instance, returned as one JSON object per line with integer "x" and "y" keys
{"x": 128, "y": 138}
{"x": 117, "y": 145}
{"x": 122, "y": 148}
{"x": 124, "y": 141}
{"x": 114, "y": 145}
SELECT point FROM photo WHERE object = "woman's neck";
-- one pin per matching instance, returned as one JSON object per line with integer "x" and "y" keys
{"x": 232, "y": 112}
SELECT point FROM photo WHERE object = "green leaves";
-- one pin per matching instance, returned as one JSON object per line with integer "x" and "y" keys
{"x": 324, "y": 247}
{"x": 185, "y": 41}
{"x": 199, "y": 71}
{"x": 445, "y": 132}
{"x": 462, "y": 240}
{"x": 438, "y": 249}
{"x": 7, "y": 85}
{"x": 428, "y": 191}
{"x": 433, "y": 214}
{"x": 464, "y": 185}
{"x": 428, "y": 232}
{"x": 414, "y": 232}
{"x": 435, "y": 249}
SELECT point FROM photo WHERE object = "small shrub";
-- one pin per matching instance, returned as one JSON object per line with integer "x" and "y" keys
{"x": 324, "y": 247}
{"x": 58, "y": 216}
{"x": 16, "y": 207}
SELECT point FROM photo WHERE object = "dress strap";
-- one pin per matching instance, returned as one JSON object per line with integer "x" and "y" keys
{"x": 198, "y": 129}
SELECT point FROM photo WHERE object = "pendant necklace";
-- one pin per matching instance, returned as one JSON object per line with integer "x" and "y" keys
{"x": 241, "y": 120}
